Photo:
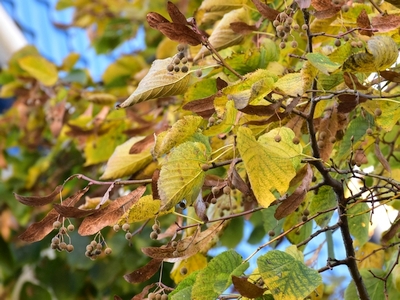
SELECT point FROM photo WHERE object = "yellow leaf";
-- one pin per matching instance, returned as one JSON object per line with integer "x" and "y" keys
{"x": 390, "y": 112}
{"x": 181, "y": 176}
{"x": 191, "y": 264}
{"x": 144, "y": 209}
{"x": 373, "y": 261}
{"x": 121, "y": 163}
{"x": 223, "y": 36}
{"x": 285, "y": 148}
{"x": 69, "y": 61}
{"x": 227, "y": 123}
{"x": 268, "y": 169}
{"x": 159, "y": 82}
{"x": 39, "y": 68}
{"x": 8, "y": 89}
{"x": 381, "y": 52}
{"x": 178, "y": 133}
{"x": 291, "y": 84}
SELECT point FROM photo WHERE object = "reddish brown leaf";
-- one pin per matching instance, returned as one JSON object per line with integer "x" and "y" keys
{"x": 352, "y": 81}
{"x": 363, "y": 22}
{"x": 38, "y": 230}
{"x": 359, "y": 157}
{"x": 142, "y": 145}
{"x": 175, "y": 14}
{"x": 291, "y": 203}
{"x": 154, "y": 184}
{"x": 348, "y": 102}
{"x": 242, "y": 28}
{"x": 110, "y": 214}
{"x": 390, "y": 76}
{"x": 38, "y": 200}
{"x": 200, "y": 208}
{"x": 328, "y": 125}
{"x": 116, "y": 297}
{"x": 386, "y": 22}
{"x": 246, "y": 288}
{"x": 393, "y": 230}
{"x": 180, "y": 33}
{"x": 144, "y": 273}
{"x": 266, "y": 11}
{"x": 327, "y": 13}
{"x": 73, "y": 212}
{"x": 154, "y": 19}
{"x": 235, "y": 179}
{"x": 261, "y": 110}
{"x": 203, "y": 107}
{"x": 144, "y": 293}
{"x": 221, "y": 84}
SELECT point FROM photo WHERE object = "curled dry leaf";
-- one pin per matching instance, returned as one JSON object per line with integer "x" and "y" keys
{"x": 38, "y": 230}
{"x": 266, "y": 11}
{"x": 246, "y": 288}
{"x": 144, "y": 273}
{"x": 382, "y": 159}
{"x": 72, "y": 212}
{"x": 175, "y": 14}
{"x": 109, "y": 215}
{"x": 291, "y": 203}
{"x": 39, "y": 200}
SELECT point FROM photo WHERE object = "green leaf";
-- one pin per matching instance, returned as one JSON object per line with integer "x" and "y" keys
{"x": 121, "y": 163}
{"x": 184, "y": 289}
{"x": 227, "y": 123}
{"x": 268, "y": 167}
{"x": 217, "y": 276}
{"x": 159, "y": 82}
{"x": 40, "y": 69}
{"x": 286, "y": 277}
{"x": 181, "y": 176}
{"x": 359, "y": 216}
{"x": 33, "y": 291}
{"x": 390, "y": 109}
{"x": 375, "y": 287}
{"x": 233, "y": 234}
{"x": 177, "y": 134}
{"x": 322, "y": 63}
{"x": 300, "y": 234}
{"x": 325, "y": 199}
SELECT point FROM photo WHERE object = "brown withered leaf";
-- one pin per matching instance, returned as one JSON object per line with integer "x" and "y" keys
{"x": 393, "y": 230}
{"x": 154, "y": 184}
{"x": 221, "y": 84}
{"x": 73, "y": 212}
{"x": 180, "y": 33}
{"x": 144, "y": 273}
{"x": 38, "y": 230}
{"x": 391, "y": 76}
{"x": 348, "y": 102}
{"x": 55, "y": 116}
{"x": 359, "y": 157}
{"x": 385, "y": 22}
{"x": 143, "y": 294}
{"x": 175, "y": 14}
{"x": 246, "y": 288}
{"x": 266, "y": 11}
{"x": 154, "y": 19}
{"x": 329, "y": 125}
{"x": 203, "y": 107}
{"x": 363, "y": 22}
{"x": 261, "y": 110}
{"x": 198, "y": 242}
{"x": 200, "y": 208}
{"x": 235, "y": 180}
{"x": 382, "y": 159}
{"x": 291, "y": 203}
{"x": 39, "y": 200}
{"x": 243, "y": 28}
{"x": 109, "y": 215}
{"x": 142, "y": 145}
{"x": 352, "y": 81}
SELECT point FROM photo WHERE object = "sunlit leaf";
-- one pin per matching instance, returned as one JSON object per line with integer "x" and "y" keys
{"x": 322, "y": 63}
{"x": 181, "y": 176}
{"x": 286, "y": 277}
{"x": 40, "y": 68}
{"x": 121, "y": 163}
{"x": 391, "y": 111}
{"x": 190, "y": 264}
{"x": 368, "y": 256}
{"x": 268, "y": 169}
{"x": 217, "y": 276}
{"x": 145, "y": 208}
{"x": 291, "y": 84}
{"x": 159, "y": 82}
{"x": 324, "y": 199}
{"x": 381, "y": 52}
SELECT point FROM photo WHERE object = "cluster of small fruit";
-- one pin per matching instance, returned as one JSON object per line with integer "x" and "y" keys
{"x": 156, "y": 231}
{"x": 125, "y": 227}
{"x": 59, "y": 241}
{"x": 322, "y": 136}
{"x": 179, "y": 62}
{"x": 284, "y": 24}
{"x": 157, "y": 296}
{"x": 94, "y": 249}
